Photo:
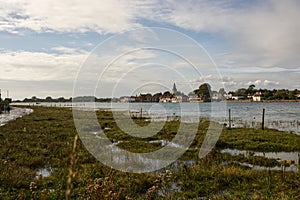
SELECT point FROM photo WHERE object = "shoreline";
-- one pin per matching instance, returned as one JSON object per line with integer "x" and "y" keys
{"x": 15, "y": 113}
{"x": 223, "y": 101}
{"x": 263, "y": 101}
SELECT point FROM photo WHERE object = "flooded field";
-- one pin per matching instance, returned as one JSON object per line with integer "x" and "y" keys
{"x": 283, "y": 116}
{"x": 14, "y": 114}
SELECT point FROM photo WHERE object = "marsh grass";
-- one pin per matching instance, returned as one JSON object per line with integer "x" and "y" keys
{"x": 45, "y": 138}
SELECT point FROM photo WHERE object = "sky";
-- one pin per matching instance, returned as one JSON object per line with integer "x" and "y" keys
{"x": 113, "y": 48}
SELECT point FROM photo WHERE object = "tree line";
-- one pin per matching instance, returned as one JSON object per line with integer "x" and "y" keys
{"x": 203, "y": 92}
{"x": 273, "y": 94}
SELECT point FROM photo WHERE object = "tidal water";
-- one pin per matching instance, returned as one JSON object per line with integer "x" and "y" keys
{"x": 14, "y": 114}
{"x": 279, "y": 115}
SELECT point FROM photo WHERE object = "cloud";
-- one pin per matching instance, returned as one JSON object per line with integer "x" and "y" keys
{"x": 270, "y": 83}
{"x": 264, "y": 33}
{"x": 254, "y": 82}
{"x": 261, "y": 37}
{"x": 67, "y": 50}
{"x": 39, "y": 66}
{"x": 106, "y": 16}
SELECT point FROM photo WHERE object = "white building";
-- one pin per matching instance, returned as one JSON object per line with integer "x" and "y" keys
{"x": 257, "y": 97}
{"x": 126, "y": 99}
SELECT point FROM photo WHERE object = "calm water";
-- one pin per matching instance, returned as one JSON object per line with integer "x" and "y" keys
{"x": 14, "y": 114}
{"x": 280, "y": 115}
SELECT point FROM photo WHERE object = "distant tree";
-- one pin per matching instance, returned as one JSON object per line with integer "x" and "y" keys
{"x": 251, "y": 89}
{"x": 204, "y": 91}
{"x": 292, "y": 94}
{"x": 222, "y": 91}
{"x": 281, "y": 94}
{"x": 148, "y": 95}
{"x": 62, "y": 99}
{"x": 156, "y": 97}
{"x": 167, "y": 94}
{"x": 157, "y": 94}
{"x": 49, "y": 99}
{"x": 241, "y": 92}
{"x": 191, "y": 93}
{"x": 268, "y": 95}
{"x": 34, "y": 98}
{"x": 252, "y": 86}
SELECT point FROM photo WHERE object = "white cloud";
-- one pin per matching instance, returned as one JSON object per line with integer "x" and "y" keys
{"x": 257, "y": 82}
{"x": 67, "y": 50}
{"x": 270, "y": 83}
{"x": 105, "y": 16}
{"x": 39, "y": 66}
{"x": 264, "y": 33}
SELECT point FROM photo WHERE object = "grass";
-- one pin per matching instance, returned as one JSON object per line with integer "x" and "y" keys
{"x": 45, "y": 139}
{"x": 268, "y": 140}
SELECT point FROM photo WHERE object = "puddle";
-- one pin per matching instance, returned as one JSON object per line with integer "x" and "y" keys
{"x": 44, "y": 172}
{"x": 14, "y": 114}
{"x": 167, "y": 143}
{"x": 294, "y": 157}
{"x": 258, "y": 167}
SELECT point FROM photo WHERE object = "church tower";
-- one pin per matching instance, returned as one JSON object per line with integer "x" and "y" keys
{"x": 174, "y": 90}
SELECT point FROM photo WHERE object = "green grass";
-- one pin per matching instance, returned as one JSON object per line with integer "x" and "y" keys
{"x": 268, "y": 140}
{"x": 45, "y": 139}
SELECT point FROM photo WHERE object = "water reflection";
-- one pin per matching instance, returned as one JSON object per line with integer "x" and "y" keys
{"x": 44, "y": 172}
{"x": 293, "y": 157}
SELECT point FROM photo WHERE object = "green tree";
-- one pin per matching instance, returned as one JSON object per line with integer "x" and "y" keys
{"x": 167, "y": 94}
{"x": 241, "y": 92}
{"x": 281, "y": 94}
{"x": 292, "y": 94}
{"x": 204, "y": 91}
{"x": 268, "y": 95}
{"x": 251, "y": 89}
{"x": 49, "y": 99}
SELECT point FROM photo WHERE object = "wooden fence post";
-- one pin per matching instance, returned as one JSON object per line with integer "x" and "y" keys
{"x": 229, "y": 120}
{"x": 263, "y": 120}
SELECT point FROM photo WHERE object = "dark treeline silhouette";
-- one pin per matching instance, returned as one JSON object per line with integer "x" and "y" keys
{"x": 49, "y": 99}
{"x": 273, "y": 94}
{"x": 203, "y": 93}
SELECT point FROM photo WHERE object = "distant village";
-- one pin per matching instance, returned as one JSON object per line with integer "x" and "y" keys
{"x": 203, "y": 93}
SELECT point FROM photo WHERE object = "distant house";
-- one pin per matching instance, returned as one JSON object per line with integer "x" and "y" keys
{"x": 127, "y": 99}
{"x": 165, "y": 99}
{"x": 180, "y": 98}
{"x": 257, "y": 96}
{"x": 228, "y": 96}
{"x": 144, "y": 98}
{"x": 298, "y": 95}
{"x": 174, "y": 97}
{"x": 195, "y": 98}
{"x": 215, "y": 96}
{"x": 236, "y": 97}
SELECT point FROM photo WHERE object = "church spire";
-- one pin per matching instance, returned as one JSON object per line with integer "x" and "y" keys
{"x": 174, "y": 90}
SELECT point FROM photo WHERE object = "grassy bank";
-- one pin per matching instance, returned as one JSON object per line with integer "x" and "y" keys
{"x": 44, "y": 139}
